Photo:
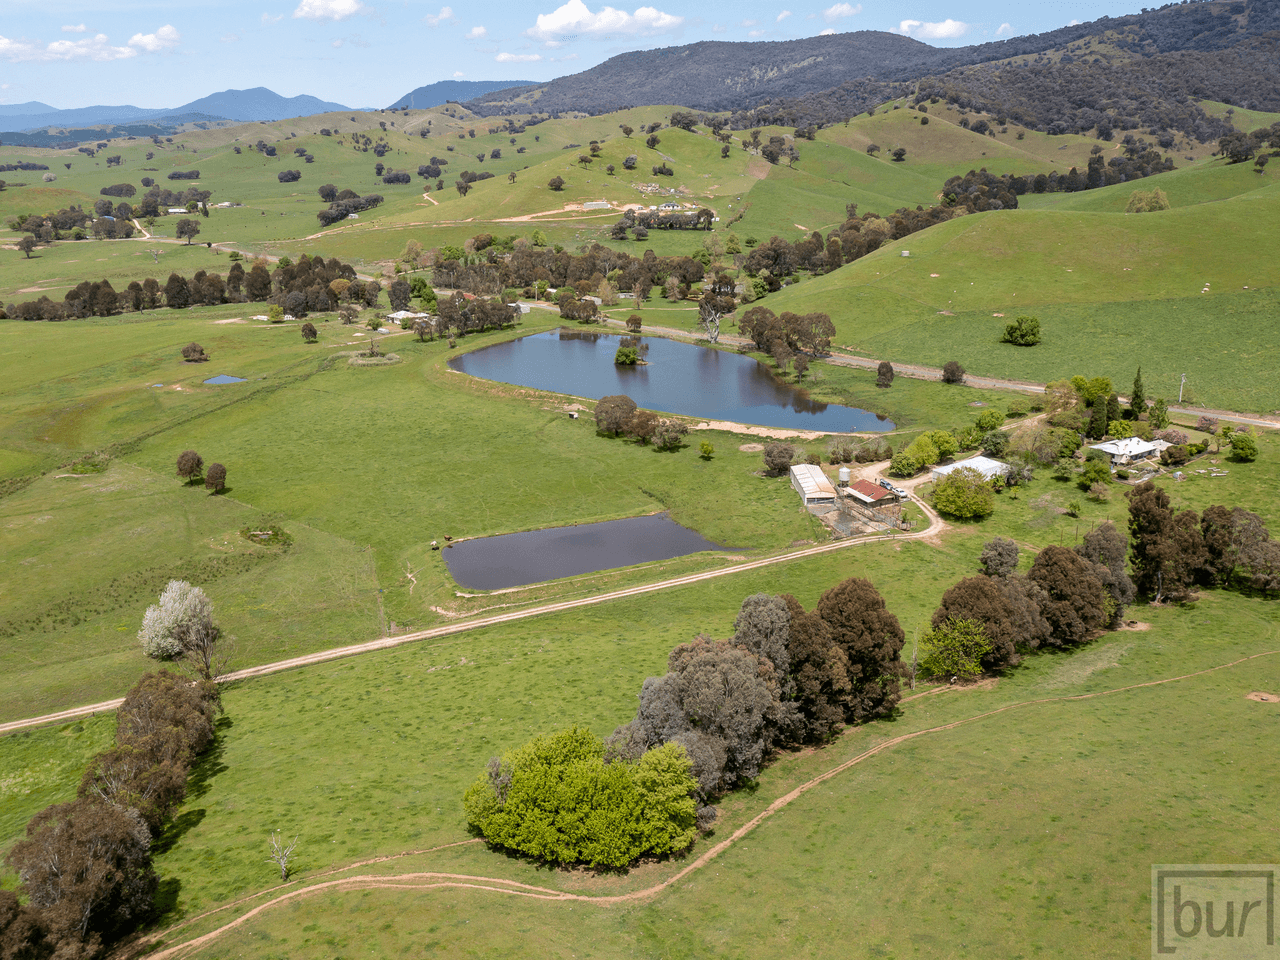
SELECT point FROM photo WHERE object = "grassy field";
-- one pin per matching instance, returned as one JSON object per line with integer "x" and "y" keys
{"x": 368, "y": 758}
{"x": 1111, "y": 293}
{"x": 1029, "y": 833}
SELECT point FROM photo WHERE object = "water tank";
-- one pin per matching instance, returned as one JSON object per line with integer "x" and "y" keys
{"x": 844, "y": 476}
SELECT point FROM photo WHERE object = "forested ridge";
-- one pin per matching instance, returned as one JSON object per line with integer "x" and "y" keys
{"x": 1143, "y": 69}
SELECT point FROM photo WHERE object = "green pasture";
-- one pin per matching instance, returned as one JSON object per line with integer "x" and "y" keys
{"x": 1030, "y": 832}
{"x": 1111, "y": 294}
{"x": 1006, "y": 831}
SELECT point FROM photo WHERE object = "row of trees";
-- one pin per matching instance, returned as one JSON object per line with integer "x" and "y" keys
{"x": 311, "y": 284}
{"x": 85, "y": 867}
{"x": 1175, "y": 551}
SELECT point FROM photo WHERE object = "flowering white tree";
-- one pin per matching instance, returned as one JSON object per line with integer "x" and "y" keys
{"x": 183, "y": 610}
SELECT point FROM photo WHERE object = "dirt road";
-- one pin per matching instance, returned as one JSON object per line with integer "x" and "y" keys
{"x": 477, "y": 623}
{"x": 920, "y": 372}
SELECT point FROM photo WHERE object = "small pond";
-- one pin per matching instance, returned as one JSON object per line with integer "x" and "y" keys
{"x": 679, "y": 378}
{"x": 224, "y": 378}
{"x": 516, "y": 559}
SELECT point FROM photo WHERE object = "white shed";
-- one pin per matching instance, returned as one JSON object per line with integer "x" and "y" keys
{"x": 812, "y": 484}
{"x": 984, "y": 465}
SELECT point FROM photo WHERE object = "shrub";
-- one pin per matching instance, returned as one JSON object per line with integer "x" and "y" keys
{"x": 1243, "y": 447}
{"x": 965, "y": 494}
{"x": 952, "y": 372}
{"x": 556, "y": 799}
{"x": 955, "y": 649}
{"x": 1023, "y": 332}
{"x": 989, "y": 420}
{"x": 289, "y": 176}
{"x": 903, "y": 465}
{"x": 1207, "y": 424}
{"x": 1017, "y": 408}
{"x": 194, "y": 353}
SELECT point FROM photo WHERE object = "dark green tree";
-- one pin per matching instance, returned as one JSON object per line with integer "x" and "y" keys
{"x": 872, "y": 640}
{"x": 187, "y": 229}
{"x": 215, "y": 478}
{"x": 613, "y": 412}
{"x": 1075, "y": 602}
{"x": 1138, "y": 396}
{"x": 1097, "y": 428}
{"x": 190, "y": 465}
{"x": 980, "y": 599}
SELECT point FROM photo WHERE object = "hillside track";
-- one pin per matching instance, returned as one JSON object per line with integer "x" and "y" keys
{"x": 426, "y": 880}
{"x": 477, "y": 623}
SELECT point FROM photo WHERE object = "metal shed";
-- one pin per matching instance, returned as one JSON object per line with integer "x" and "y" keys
{"x": 812, "y": 484}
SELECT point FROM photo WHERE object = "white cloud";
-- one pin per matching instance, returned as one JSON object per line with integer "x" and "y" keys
{"x": 327, "y": 9}
{"x": 336, "y": 44}
{"x": 434, "y": 20}
{"x": 755, "y": 33}
{"x": 81, "y": 28}
{"x": 946, "y": 30}
{"x": 718, "y": 28}
{"x": 458, "y": 73}
{"x": 268, "y": 18}
{"x": 94, "y": 48}
{"x": 750, "y": 23}
{"x": 829, "y": 32}
{"x": 1074, "y": 23}
{"x": 477, "y": 33}
{"x": 1003, "y": 29}
{"x": 518, "y": 57}
{"x": 575, "y": 19}
{"x": 166, "y": 38}
{"x": 783, "y": 15}
{"x": 567, "y": 56}
{"x": 230, "y": 38}
{"x": 839, "y": 11}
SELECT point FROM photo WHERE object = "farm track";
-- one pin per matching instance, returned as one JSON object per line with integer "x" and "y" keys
{"x": 426, "y": 880}
{"x": 477, "y": 623}
{"x": 919, "y": 372}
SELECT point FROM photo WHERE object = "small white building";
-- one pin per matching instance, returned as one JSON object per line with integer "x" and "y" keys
{"x": 1127, "y": 450}
{"x": 597, "y": 205}
{"x": 990, "y": 469}
{"x": 812, "y": 484}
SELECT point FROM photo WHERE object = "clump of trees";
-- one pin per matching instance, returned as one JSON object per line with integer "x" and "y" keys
{"x": 811, "y": 332}
{"x": 85, "y": 867}
{"x": 289, "y": 176}
{"x": 344, "y": 204}
{"x": 710, "y": 723}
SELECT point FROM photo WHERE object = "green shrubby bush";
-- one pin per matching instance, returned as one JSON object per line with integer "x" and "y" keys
{"x": 558, "y": 800}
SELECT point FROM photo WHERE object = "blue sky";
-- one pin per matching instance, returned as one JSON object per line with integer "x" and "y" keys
{"x": 367, "y": 53}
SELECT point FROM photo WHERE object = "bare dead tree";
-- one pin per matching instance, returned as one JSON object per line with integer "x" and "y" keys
{"x": 281, "y": 854}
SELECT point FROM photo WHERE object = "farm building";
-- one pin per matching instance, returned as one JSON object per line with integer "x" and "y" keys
{"x": 1127, "y": 450}
{"x": 870, "y": 494}
{"x": 989, "y": 468}
{"x": 812, "y": 484}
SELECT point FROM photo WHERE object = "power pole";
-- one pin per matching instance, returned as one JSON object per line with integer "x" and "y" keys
{"x": 1183, "y": 384}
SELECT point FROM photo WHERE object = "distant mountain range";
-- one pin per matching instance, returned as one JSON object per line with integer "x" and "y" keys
{"x": 244, "y": 106}
{"x": 437, "y": 94}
